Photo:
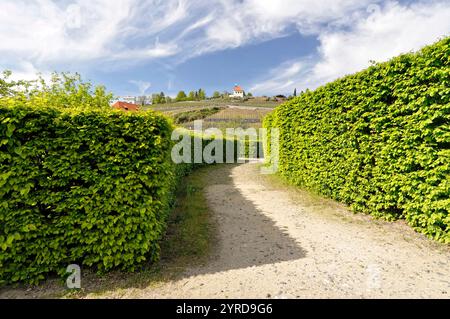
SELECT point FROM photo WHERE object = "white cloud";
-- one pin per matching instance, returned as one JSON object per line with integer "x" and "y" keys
{"x": 90, "y": 34}
{"x": 237, "y": 23}
{"x": 379, "y": 35}
{"x": 45, "y": 32}
{"x": 394, "y": 30}
{"x": 25, "y": 70}
{"x": 143, "y": 86}
{"x": 158, "y": 50}
{"x": 281, "y": 79}
{"x": 48, "y": 32}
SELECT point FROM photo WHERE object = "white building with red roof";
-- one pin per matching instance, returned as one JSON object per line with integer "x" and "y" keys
{"x": 237, "y": 92}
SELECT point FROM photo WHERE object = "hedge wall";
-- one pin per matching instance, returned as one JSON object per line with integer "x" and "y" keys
{"x": 90, "y": 187}
{"x": 87, "y": 187}
{"x": 378, "y": 140}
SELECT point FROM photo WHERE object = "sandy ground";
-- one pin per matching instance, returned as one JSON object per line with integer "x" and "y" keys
{"x": 277, "y": 242}
{"x": 290, "y": 244}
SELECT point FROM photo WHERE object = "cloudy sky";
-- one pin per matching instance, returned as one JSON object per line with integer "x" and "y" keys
{"x": 267, "y": 46}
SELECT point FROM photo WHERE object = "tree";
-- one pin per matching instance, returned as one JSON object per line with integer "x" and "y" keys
{"x": 191, "y": 96}
{"x": 201, "y": 95}
{"x": 156, "y": 98}
{"x": 7, "y": 86}
{"x": 181, "y": 96}
{"x": 162, "y": 98}
{"x": 169, "y": 99}
{"x": 249, "y": 94}
{"x": 216, "y": 95}
{"x": 295, "y": 92}
{"x": 64, "y": 90}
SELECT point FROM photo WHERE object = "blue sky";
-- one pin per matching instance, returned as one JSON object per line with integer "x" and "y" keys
{"x": 267, "y": 46}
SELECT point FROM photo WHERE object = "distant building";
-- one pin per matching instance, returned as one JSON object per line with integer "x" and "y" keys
{"x": 129, "y": 99}
{"x": 139, "y": 100}
{"x": 280, "y": 98}
{"x": 125, "y": 106}
{"x": 237, "y": 92}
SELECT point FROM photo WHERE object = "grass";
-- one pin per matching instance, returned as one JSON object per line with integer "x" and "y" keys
{"x": 198, "y": 114}
{"x": 190, "y": 231}
{"x": 188, "y": 241}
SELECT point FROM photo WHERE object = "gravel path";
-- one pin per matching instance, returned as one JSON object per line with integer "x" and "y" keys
{"x": 275, "y": 241}
{"x": 290, "y": 244}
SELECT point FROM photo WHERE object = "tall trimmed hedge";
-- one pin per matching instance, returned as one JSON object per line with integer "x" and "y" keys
{"x": 378, "y": 140}
{"x": 90, "y": 187}
{"x": 87, "y": 187}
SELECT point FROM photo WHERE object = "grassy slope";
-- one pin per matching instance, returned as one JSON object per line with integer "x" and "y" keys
{"x": 184, "y": 106}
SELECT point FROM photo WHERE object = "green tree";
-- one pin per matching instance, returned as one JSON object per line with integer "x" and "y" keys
{"x": 295, "y": 92}
{"x": 201, "y": 94}
{"x": 156, "y": 98}
{"x": 191, "y": 96}
{"x": 181, "y": 96}
{"x": 162, "y": 98}
{"x": 8, "y": 87}
{"x": 249, "y": 94}
{"x": 216, "y": 95}
{"x": 63, "y": 90}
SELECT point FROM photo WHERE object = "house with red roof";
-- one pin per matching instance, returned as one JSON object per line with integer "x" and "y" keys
{"x": 125, "y": 106}
{"x": 237, "y": 92}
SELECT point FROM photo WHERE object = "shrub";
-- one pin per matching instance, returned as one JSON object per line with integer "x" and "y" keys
{"x": 89, "y": 187}
{"x": 63, "y": 90}
{"x": 378, "y": 140}
{"x": 85, "y": 186}
{"x": 190, "y": 116}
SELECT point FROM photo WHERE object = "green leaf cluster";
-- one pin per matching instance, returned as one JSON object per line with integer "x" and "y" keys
{"x": 91, "y": 187}
{"x": 62, "y": 90}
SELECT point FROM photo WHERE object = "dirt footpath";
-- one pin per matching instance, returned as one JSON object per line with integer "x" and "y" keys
{"x": 282, "y": 243}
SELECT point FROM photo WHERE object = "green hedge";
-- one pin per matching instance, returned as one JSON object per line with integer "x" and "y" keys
{"x": 378, "y": 140}
{"x": 86, "y": 187}
{"x": 90, "y": 187}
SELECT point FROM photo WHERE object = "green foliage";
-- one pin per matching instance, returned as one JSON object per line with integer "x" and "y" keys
{"x": 91, "y": 187}
{"x": 85, "y": 186}
{"x": 378, "y": 140}
{"x": 159, "y": 98}
{"x": 8, "y": 87}
{"x": 189, "y": 116}
{"x": 201, "y": 95}
{"x": 181, "y": 96}
{"x": 64, "y": 90}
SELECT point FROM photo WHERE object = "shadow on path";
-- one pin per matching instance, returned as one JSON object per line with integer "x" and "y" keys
{"x": 245, "y": 236}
